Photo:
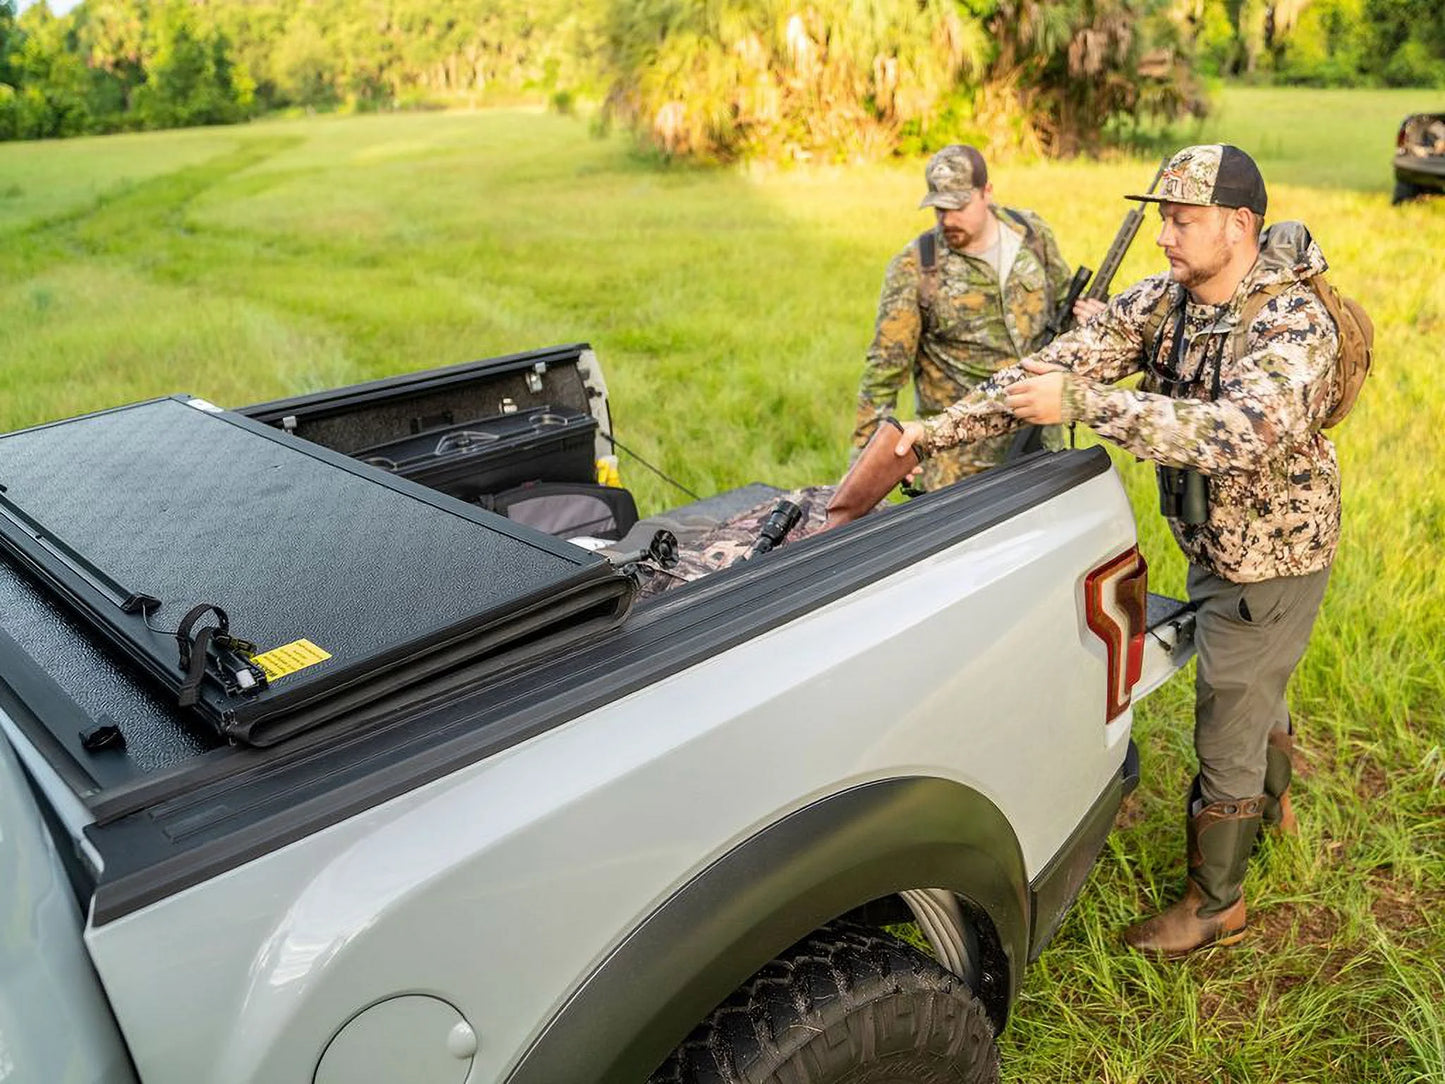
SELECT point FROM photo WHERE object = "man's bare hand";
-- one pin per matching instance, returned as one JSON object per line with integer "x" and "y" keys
{"x": 1086, "y": 308}
{"x": 1038, "y": 399}
{"x": 912, "y": 434}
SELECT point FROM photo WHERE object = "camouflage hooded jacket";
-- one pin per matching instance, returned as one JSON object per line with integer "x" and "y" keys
{"x": 1274, "y": 482}
{"x": 973, "y": 328}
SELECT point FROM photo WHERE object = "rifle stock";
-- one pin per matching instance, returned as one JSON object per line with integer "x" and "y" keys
{"x": 871, "y": 476}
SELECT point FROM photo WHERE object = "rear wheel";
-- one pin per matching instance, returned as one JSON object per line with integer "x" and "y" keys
{"x": 849, "y": 1005}
{"x": 1404, "y": 190}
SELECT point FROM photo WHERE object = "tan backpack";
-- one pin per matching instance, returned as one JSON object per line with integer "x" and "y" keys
{"x": 1352, "y": 322}
{"x": 1357, "y": 346}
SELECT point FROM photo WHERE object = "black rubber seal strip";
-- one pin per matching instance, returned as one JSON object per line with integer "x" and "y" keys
{"x": 323, "y": 403}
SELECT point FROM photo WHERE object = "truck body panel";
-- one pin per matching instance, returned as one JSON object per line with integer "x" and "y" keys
{"x": 683, "y": 770}
{"x": 55, "y": 1024}
{"x": 471, "y": 874}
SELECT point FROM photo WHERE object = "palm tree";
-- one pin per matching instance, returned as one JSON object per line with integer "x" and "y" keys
{"x": 720, "y": 79}
{"x": 846, "y": 79}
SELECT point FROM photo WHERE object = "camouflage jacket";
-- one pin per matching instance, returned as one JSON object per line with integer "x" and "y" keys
{"x": 1274, "y": 483}
{"x": 972, "y": 328}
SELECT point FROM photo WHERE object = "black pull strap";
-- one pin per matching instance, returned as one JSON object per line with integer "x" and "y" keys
{"x": 193, "y": 652}
{"x": 194, "y": 614}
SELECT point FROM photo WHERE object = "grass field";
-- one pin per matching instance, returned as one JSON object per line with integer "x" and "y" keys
{"x": 731, "y": 310}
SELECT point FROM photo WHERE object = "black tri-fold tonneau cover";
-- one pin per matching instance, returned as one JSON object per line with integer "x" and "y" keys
{"x": 339, "y": 583}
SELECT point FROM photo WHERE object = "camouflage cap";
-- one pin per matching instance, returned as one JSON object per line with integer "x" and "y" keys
{"x": 953, "y": 175}
{"x": 1211, "y": 175}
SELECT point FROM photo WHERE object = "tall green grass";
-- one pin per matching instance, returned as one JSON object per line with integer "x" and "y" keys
{"x": 731, "y": 310}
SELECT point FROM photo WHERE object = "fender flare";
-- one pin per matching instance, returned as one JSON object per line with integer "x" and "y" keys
{"x": 770, "y": 891}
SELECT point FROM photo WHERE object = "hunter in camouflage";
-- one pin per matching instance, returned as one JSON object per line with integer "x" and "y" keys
{"x": 1274, "y": 483}
{"x": 951, "y": 329}
{"x": 1239, "y": 404}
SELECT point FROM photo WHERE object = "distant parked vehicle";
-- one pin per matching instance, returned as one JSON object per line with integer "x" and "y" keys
{"x": 1419, "y": 156}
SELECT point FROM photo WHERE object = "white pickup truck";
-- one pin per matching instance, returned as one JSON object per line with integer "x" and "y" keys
{"x": 440, "y": 800}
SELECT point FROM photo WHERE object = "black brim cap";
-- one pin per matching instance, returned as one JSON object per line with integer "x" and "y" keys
{"x": 1211, "y": 175}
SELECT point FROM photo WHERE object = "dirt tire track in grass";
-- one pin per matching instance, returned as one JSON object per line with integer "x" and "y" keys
{"x": 127, "y": 220}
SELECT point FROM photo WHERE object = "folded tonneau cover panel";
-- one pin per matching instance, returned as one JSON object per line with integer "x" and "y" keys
{"x": 350, "y": 583}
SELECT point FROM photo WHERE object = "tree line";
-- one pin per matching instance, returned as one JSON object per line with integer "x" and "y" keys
{"x": 1398, "y": 43}
{"x": 114, "y": 65}
{"x": 709, "y": 79}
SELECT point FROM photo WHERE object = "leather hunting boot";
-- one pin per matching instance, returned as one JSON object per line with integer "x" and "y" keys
{"x": 1278, "y": 810}
{"x": 1212, "y": 910}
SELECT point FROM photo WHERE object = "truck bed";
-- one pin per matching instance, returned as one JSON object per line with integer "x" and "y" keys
{"x": 174, "y": 807}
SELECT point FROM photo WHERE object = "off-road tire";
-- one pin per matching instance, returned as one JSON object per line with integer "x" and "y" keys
{"x": 849, "y": 1005}
{"x": 1404, "y": 191}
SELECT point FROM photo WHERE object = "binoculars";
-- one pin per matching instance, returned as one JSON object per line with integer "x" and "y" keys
{"x": 1183, "y": 494}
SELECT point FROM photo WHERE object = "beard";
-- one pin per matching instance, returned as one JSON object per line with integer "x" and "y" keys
{"x": 959, "y": 238}
{"x": 1201, "y": 270}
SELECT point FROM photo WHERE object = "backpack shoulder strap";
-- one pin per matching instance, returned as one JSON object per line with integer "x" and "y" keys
{"x": 1253, "y": 305}
{"x": 1031, "y": 235}
{"x": 927, "y": 268}
{"x": 1154, "y": 322}
{"x": 1034, "y": 242}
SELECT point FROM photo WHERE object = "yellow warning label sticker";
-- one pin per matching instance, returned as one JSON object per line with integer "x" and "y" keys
{"x": 288, "y": 658}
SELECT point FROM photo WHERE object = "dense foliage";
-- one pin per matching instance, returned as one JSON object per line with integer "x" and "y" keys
{"x": 710, "y": 79}
{"x": 116, "y": 65}
{"x": 108, "y": 65}
{"x": 848, "y": 79}
{"x": 716, "y": 79}
{"x": 1324, "y": 42}
{"x": 725, "y": 79}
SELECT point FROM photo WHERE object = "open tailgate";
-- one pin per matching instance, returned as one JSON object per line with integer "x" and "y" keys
{"x": 1169, "y": 643}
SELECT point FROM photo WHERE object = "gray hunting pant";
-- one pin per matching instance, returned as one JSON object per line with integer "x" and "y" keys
{"x": 1250, "y": 637}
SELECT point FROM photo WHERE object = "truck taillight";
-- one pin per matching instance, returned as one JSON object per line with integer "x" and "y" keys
{"x": 1115, "y": 600}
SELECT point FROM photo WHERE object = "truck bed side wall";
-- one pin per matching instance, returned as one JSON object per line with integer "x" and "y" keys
{"x": 503, "y": 886}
